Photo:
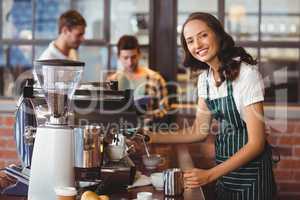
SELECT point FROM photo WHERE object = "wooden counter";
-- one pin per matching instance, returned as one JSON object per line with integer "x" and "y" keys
{"x": 12, "y": 198}
{"x": 131, "y": 194}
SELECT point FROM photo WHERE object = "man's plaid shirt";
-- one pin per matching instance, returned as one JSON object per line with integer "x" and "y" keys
{"x": 156, "y": 87}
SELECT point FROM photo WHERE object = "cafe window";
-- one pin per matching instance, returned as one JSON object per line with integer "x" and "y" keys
{"x": 273, "y": 27}
{"x": 280, "y": 22}
{"x": 129, "y": 17}
{"x": 279, "y": 60}
{"x": 28, "y": 26}
{"x": 241, "y": 19}
{"x": 268, "y": 29}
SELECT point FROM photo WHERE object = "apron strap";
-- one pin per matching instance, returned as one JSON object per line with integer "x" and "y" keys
{"x": 207, "y": 86}
{"x": 229, "y": 87}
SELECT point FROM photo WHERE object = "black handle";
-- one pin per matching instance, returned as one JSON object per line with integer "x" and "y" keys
{"x": 146, "y": 138}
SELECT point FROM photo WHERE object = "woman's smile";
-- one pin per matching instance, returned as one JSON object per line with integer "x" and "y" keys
{"x": 202, "y": 52}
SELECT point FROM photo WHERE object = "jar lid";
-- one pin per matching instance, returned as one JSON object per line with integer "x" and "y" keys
{"x": 144, "y": 196}
{"x": 65, "y": 191}
{"x": 59, "y": 62}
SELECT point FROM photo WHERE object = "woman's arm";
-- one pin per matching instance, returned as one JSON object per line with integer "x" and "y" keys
{"x": 196, "y": 133}
{"x": 255, "y": 145}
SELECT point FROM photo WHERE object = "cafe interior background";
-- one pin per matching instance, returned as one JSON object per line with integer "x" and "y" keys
{"x": 268, "y": 29}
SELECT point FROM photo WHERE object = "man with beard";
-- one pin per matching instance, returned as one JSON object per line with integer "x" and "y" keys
{"x": 71, "y": 29}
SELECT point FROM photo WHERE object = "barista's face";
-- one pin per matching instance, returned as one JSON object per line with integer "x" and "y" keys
{"x": 129, "y": 59}
{"x": 74, "y": 36}
{"x": 201, "y": 41}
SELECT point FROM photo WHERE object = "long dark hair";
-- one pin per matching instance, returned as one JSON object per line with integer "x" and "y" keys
{"x": 229, "y": 55}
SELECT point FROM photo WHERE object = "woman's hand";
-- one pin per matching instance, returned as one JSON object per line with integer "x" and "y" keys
{"x": 195, "y": 178}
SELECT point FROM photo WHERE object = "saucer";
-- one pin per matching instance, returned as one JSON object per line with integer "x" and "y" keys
{"x": 159, "y": 188}
{"x": 152, "y": 199}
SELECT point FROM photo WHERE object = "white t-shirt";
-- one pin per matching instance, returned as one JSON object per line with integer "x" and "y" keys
{"x": 248, "y": 87}
{"x": 53, "y": 53}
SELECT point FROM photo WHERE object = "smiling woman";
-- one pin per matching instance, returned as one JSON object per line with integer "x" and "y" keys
{"x": 243, "y": 156}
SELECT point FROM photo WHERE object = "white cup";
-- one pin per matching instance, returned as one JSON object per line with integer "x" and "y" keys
{"x": 152, "y": 161}
{"x": 65, "y": 193}
{"x": 157, "y": 180}
{"x": 116, "y": 152}
{"x": 144, "y": 196}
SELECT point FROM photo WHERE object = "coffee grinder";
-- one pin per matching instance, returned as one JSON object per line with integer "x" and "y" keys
{"x": 53, "y": 153}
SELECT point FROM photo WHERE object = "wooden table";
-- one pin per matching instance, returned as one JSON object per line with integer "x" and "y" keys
{"x": 131, "y": 194}
{"x": 12, "y": 198}
{"x": 185, "y": 163}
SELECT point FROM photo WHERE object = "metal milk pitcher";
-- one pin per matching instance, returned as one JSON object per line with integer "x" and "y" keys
{"x": 88, "y": 147}
{"x": 173, "y": 182}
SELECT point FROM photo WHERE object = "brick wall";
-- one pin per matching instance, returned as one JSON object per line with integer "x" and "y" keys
{"x": 8, "y": 153}
{"x": 284, "y": 135}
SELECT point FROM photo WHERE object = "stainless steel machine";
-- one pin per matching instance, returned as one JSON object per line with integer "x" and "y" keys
{"x": 98, "y": 113}
{"x": 53, "y": 152}
{"x": 102, "y": 113}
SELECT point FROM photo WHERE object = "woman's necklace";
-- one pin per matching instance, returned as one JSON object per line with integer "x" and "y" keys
{"x": 217, "y": 79}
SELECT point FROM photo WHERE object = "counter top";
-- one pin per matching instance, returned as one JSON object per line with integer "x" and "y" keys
{"x": 131, "y": 194}
{"x": 3, "y": 197}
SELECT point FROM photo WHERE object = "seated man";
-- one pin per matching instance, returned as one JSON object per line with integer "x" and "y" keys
{"x": 144, "y": 81}
{"x": 147, "y": 84}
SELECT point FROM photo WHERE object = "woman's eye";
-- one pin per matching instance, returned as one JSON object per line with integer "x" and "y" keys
{"x": 189, "y": 41}
{"x": 204, "y": 35}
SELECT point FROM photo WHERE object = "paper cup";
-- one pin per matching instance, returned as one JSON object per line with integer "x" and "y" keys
{"x": 65, "y": 193}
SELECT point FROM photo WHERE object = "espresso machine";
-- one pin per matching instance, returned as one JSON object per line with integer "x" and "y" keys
{"x": 53, "y": 152}
{"x": 98, "y": 111}
{"x": 89, "y": 148}
{"x": 99, "y": 115}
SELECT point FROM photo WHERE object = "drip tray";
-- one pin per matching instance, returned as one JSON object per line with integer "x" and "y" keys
{"x": 118, "y": 174}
